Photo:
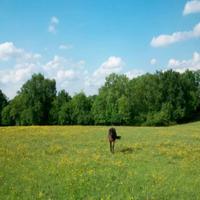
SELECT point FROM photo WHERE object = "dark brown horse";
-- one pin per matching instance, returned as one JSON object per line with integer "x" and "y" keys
{"x": 112, "y": 136}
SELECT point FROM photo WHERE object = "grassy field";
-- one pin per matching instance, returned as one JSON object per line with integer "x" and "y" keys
{"x": 74, "y": 162}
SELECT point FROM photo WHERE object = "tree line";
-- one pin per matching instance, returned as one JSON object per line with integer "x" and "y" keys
{"x": 158, "y": 99}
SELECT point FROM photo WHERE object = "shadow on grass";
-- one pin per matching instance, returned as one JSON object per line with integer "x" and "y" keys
{"x": 127, "y": 150}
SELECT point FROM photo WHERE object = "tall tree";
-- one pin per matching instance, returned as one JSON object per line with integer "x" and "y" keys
{"x": 38, "y": 94}
{"x": 172, "y": 94}
{"x": 106, "y": 105}
{"x": 144, "y": 97}
{"x": 32, "y": 104}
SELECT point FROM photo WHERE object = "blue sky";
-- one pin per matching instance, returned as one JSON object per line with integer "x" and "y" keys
{"x": 80, "y": 42}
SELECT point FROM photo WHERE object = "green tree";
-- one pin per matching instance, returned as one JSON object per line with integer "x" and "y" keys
{"x": 172, "y": 93}
{"x": 57, "y": 108}
{"x": 144, "y": 97}
{"x": 32, "y": 104}
{"x": 191, "y": 92}
{"x": 158, "y": 99}
{"x": 81, "y": 109}
{"x": 38, "y": 94}
{"x": 65, "y": 114}
{"x": 107, "y": 104}
{"x": 6, "y": 119}
{"x": 3, "y": 103}
{"x": 124, "y": 110}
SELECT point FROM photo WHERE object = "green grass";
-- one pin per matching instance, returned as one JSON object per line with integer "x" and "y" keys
{"x": 74, "y": 162}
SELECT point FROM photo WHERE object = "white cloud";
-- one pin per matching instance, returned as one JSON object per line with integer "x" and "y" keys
{"x": 17, "y": 74}
{"x": 191, "y": 7}
{"x": 59, "y": 62}
{"x": 53, "y": 24}
{"x": 164, "y": 40}
{"x": 153, "y": 61}
{"x": 113, "y": 62}
{"x": 8, "y": 50}
{"x": 24, "y": 65}
{"x": 56, "y": 63}
{"x": 60, "y": 69}
{"x": 112, "y": 65}
{"x": 12, "y": 79}
{"x": 65, "y": 74}
{"x": 183, "y": 65}
{"x": 65, "y": 46}
{"x": 69, "y": 74}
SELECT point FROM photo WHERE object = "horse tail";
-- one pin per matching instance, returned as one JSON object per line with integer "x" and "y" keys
{"x": 118, "y": 137}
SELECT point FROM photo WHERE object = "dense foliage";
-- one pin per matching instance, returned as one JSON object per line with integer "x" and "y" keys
{"x": 158, "y": 99}
{"x": 3, "y": 103}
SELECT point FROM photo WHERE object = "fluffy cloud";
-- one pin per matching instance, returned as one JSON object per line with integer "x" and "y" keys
{"x": 24, "y": 65}
{"x": 60, "y": 69}
{"x": 8, "y": 50}
{"x": 55, "y": 63}
{"x": 53, "y": 24}
{"x": 73, "y": 76}
{"x": 69, "y": 74}
{"x": 183, "y": 65}
{"x": 18, "y": 74}
{"x": 164, "y": 40}
{"x": 65, "y": 74}
{"x": 112, "y": 62}
{"x": 112, "y": 65}
{"x": 191, "y": 7}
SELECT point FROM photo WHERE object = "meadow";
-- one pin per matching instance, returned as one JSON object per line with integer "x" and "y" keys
{"x": 74, "y": 162}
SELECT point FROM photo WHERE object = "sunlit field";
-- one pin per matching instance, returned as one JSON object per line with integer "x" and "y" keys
{"x": 74, "y": 162}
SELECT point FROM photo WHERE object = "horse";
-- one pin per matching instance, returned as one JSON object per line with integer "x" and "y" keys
{"x": 112, "y": 136}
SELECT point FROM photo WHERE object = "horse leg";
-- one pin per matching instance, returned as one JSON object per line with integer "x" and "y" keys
{"x": 111, "y": 146}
